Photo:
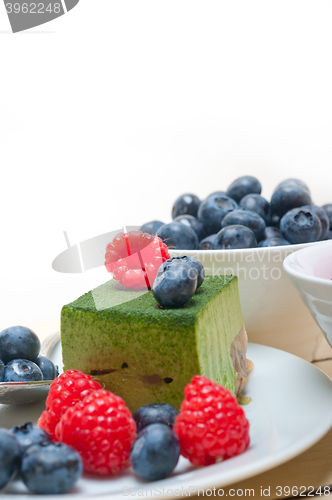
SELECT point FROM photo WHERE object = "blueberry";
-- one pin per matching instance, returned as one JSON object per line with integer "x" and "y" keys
{"x": 10, "y": 456}
{"x": 323, "y": 217}
{"x": 186, "y": 204}
{"x": 178, "y": 236}
{"x": 217, "y": 193}
{"x": 242, "y": 186}
{"x": 328, "y": 210}
{"x": 28, "y": 434}
{"x": 300, "y": 226}
{"x": 48, "y": 369}
{"x": 22, "y": 370}
{"x": 273, "y": 242}
{"x": 192, "y": 261}
{"x": 287, "y": 197}
{"x": 207, "y": 243}
{"x": 256, "y": 203}
{"x": 155, "y": 413}
{"x": 329, "y": 235}
{"x": 213, "y": 209}
{"x": 155, "y": 452}
{"x": 2, "y": 370}
{"x": 51, "y": 468}
{"x": 152, "y": 227}
{"x": 193, "y": 223}
{"x": 275, "y": 220}
{"x": 293, "y": 182}
{"x": 175, "y": 285}
{"x": 271, "y": 232}
{"x": 245, "y": 218}
{"x": 235, "y": 237}
{"x": 17, "y": 342}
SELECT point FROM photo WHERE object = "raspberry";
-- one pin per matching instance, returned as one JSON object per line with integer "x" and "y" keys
{"x": 101, "y": 429}
{"x": 66, "y": 390}
{"x": 134, "y": 258}
{"x": 211, "y": 425}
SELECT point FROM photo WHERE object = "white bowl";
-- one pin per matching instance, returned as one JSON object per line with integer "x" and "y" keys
{"x": 273, "y": 313}
{"x": 310, "y": 271}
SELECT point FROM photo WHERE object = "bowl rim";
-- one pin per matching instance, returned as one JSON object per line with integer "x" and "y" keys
{"x": 292, "y": 248}
{"x": 287, "y": 265}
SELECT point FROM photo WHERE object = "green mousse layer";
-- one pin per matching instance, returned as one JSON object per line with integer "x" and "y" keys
{"x": 146, "y": 354}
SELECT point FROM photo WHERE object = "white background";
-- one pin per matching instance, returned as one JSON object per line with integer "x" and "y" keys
{"x": 110, "y": 112}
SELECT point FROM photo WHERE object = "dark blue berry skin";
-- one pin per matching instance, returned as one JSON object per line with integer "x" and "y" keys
{"x": 28, "y": 434}
{"x": 155, "y": 452}
{"x": 178, "y": 236}
{"x": 242, "y": 186}
{"x": 207, "y": 243}
{"x": 328, "y": 210}
{"x": 22, "y": 370}
{"x": 152, "y": 227}
{"x": 2, "y": 370}
{"x": 245, "y": 218}
{"x": 273, "y": 242}
{"x": 10, "y": 456}
{"x": 275, "y": 220}
{"x": 18, "y": 342}
{"x": 194, "y": 223}
{"x": 256, "y": 203}
{"x": 212, "y": 210}
{"x": 235, "y": 237}
{"x": 271, "y": 232}
{"x": 47, "y": 367}
{"x": 217, "y": 193}
{"x": 186, "y": 204}
{"x": 192, "y": 261}
{"x": 293, "y": 182}
{"x": 323, "y": 217}
{"x": 175, "y": 285}
{"x": 155, "y": 413}
{"x": 287, "y": 197}
{"x": 300, "y": 226}
{"x": 51, "y": 468}
{"x": 329, "y": 235}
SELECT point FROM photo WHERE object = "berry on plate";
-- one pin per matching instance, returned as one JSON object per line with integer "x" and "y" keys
{"x": 186, "y": 204}
{"x": 18, "y": 342}
{"x": 192, "y": 261}
{"x": 101, "y": 429}
{"x": 51, "y": 468}
{"x": 193, "y": 223}
{"x": 151, "y": 227}
{"x": 178, "y": 236}
{"x": 207, "y": 243}
{"x": 236, "y": 236}
{"x": 47, "y": 367}
{"x": 323, "y": 217}
{"x": 213, "y": 209}
{"x": 211, "y": 425}
{"x": 258, "y": 204}
{"x": 28, "y": 434}
{"x": 155, "y": 452}
{"x": 10, "y": 456}
{"x": 246, "y": 218}
{"x": 65, "y": 391}
{"x": 133, "y": 258}
{"x": 276, "y": 241}
{"x": 288, "y": 196}
{"x": 155, "y": 413}
{"x": 22, "y": 370}
{"x": 242, "y": 186}
{"x": 301, "y": 226}
{"x": 2, "y": 370}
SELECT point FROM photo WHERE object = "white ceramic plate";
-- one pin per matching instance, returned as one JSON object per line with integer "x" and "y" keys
{"x": 291, "y": 409}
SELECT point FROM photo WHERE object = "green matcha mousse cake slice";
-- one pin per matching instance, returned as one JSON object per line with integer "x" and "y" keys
{"x": 146, "y": 354}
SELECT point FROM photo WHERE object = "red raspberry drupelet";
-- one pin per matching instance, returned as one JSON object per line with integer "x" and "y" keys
{"x": 66, "y": 390}
{"x": 101, "y": 429}
{"x": 134, "y": 258}
{"x": 211, "y": 425}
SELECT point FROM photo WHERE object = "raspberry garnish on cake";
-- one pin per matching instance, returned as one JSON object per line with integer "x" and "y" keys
{"x": 134, "y": 258}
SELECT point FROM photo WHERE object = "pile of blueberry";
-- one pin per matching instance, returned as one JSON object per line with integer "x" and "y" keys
{"x": 156, "y": 449}
{"x": 44, "y": 467}
{"x": 241, "y": 218}
{"x": 20, "y": 360}
{"x": 177, "y": 280}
